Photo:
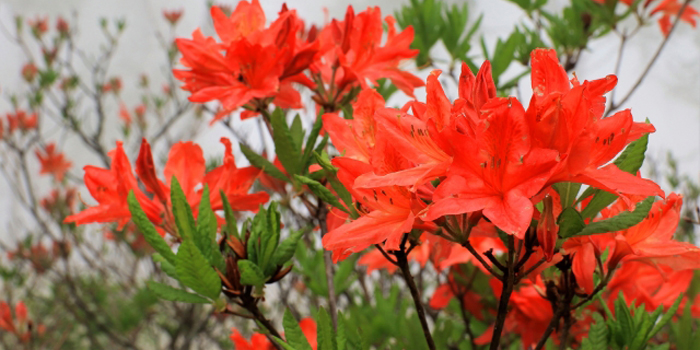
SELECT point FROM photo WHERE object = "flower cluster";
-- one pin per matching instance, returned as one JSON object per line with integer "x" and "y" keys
{"x": 253, "y": 64}
{"x": 111, "y": 187}
{"x": 19, "y": 325}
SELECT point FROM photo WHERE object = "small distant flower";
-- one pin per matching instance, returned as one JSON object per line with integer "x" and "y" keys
{"x": 62, "y": 27}
{"x": 20, "y": 120}
{"x": 124, "y": 115}
{"x": 114, "y": 85}
{"x": 172, "y": 16}
{"x": 53, "y": 162}
{"x": 39, "y": 26}
{"x": 49, "y": 55}
{"x": 140, "y": 111}
{"x": 60, "y": 201}
{"x": 21, "y": 326}
{"x": 29, "y": 72}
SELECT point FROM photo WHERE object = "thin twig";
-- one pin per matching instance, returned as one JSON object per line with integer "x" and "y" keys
{"x": 508, "y": 284}
{"x": 402, "y": 260}
{"x": 613, "y": 105}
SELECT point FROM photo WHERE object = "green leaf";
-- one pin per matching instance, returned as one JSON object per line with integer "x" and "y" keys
{"x": 251, "y": 274}
{"x": 181, "y": 211}
{"x": 165, "y": 265}
{"x": 338, "y": 187}
{"x": 194, "y": 271}
{"x": 567, "y": 192}
{"x": 285, "y": 251}
{"x": 231, "y": 223}
{"x": 260, "y": 162}
{"x": 597, "y": 335}
{"x": 621, "y": 221}
{"x": 667, "y": 316}
{"x": 570, "y": 222}
{"x": 285, "y": 148}
{"x": 324, "y": 331}
{"x": 257, "y": 229}
{"x": 297, "y": 131}
{"x": 624, "y": 319}
{"x": 206, "y": 231}
{"x": 311, "y": 141}
{"x": 149, "y": 231}
{"x": 292, "y": 331}
{"x": 341, "y": 334}
{"x": 284, "y": 345}
{"x": 321, "y": 191}
{"x": 269, "y": 240}
{"x": 167, "y": 292}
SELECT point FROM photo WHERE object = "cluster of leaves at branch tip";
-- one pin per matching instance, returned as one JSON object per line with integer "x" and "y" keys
{"x": 297, "y": 156}
{"x": 251, "y": 256}
{"x": 629, "y": 328}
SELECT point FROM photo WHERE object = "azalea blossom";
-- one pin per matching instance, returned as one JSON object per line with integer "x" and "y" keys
{"x": 260, "y": 342}
{"x": 251, "y": 63}
{"x": 53, "y": 162}
{"x": 110, "y": 187}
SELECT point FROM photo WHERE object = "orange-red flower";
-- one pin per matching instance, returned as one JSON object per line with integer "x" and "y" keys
{"x": 355, "y": 45}
{"x": 172, "y": 16}
{"x": 250, "y": 63}
{"x": 652, "y": 286}
{"x": 496, "y": 170}
{"x": 53, "y": 162}
{"x": 569, "y": 120}
{"x": 260, "y": 342}
{"x": 20, "y": 120}
{"x": 20, "y": 325}
{"x": 186, "y": 163}
{"x": 672, "y": 8}
{"x": 110, "y": 188}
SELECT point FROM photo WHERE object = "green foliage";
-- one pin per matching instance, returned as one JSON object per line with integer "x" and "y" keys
{"x": 321, "y": 191}
{"x": 149, "y": 231}
{"x": 311, "y": 265}
{"x": 632, "y": 327}
{"x": 260, "y": 162}
{"x": 621, "y": 221}
{"x": 293, "y": 333}
{"x": 630, "y": 160}
{"x": 251, "y": 274}
{"x": 182, "y": 212}
{"x": 433, "y": 21}
{"x": 167, "y": 292}
{"x": 597, "y": 335}
{"x": 425, "y": 16}
{"x": 288, "y": 151}
{"x": 194, "y": 271}
{"x": 570, "y": 222}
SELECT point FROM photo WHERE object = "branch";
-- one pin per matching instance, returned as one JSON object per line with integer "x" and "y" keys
{"x": 328, "y": 262}
{"x": 508, "y": 284}
{"x": 402, "y": 260}
{"x": 613, "y": 105}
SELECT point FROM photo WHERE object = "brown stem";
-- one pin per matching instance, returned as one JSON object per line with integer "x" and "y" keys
{"x": 552, "y": 325}
{"x": 402, "y": 260}
{"x": 613, "y": 105}
{"x": 564, "y": 338}
{"x": 252, "y": 307}
{"x": 328, "y": 262}
{"x": 508, "y": 284}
